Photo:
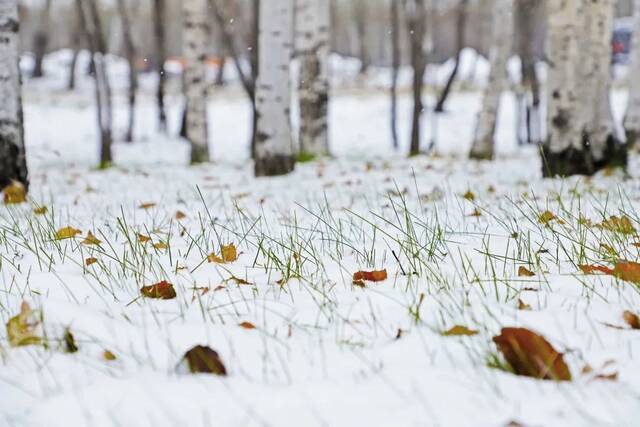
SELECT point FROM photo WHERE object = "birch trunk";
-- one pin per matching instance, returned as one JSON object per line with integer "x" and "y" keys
{"x": 581, "y": 137}
{"x": 312, "y": 47}
{"x": 194, "y": 37}
{"x": 632, "y": 118}
{"x": 274, "y": 147}
{"x": 484, "y": 139}
{"x": 13, "y": 166}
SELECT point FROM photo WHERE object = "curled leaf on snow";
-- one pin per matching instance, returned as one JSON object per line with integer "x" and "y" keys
{"x": 205, "y": 360}
{"x": 228, "y": 253}
{"x": 370, "y": 276}
{"x": 529, "y": 354}
{"x": 359, "y": 283}
{"x": 147, "y": 206}
{"x": 524, "y": 272}
{"x": 247, "y": 325}
{"x": 628, "y": 271}
{"x": 22, "y": 329}
{"x": 523, "y": 305}
{"x": 143, "y": 238}
{"x": 67, "y": 233}
{"x": 162, "y": 290}
{"x": 622, "y": 225}
{"x": 40, "y": 210}
{"x": 90, "y": 261}
{"x": 592, "y": 269}
{"x": 180, "y": 215}
{"x": 91, "y": 239}
{"x": 631, "y": 319}
{"x": 108, "y": 356}
{"x": 69, "y": 340}
{"x": 460, "y": 331}
{"x": 469, "y": 195}
{"x": 14, "y": 193}
{"x": 238, "y": 281}
{"x": 160, "y": 246}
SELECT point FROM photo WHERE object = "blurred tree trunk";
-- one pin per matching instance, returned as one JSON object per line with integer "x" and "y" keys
{"x": 581, "y": 138}
{"x": 254, "y": 60}
{"x": 462, "y": 13}
{"x": 530, "y": 91}
{"x": 632, "y": 118}
{"x": 194, "y": 35}
{"x": 92, "y": 27}
{"x": 76, "y": 46}
{"x": 13, "y": 165}
{"x": 41, "y": 40}
{"x": 361, "y": 22}
{"x": 161, "y": 57}
{"x": 417, "y": 25}
{"x": 483, "y": 142}
{"x": 312, "y": 38}
{"x": 395, "y": 68}
{"x": 130, "y": 54}
{"x": 274, "y": 145}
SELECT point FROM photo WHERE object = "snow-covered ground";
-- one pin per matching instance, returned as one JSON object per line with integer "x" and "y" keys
{"x": 451, "y": 233}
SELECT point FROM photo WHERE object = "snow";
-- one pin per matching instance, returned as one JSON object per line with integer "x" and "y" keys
{"x": 324, "y": 351}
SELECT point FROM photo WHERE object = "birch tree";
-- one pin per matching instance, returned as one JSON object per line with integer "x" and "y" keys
{"x": 483, "y": 142}
{"x": 632, "y": 118}
{"x": 194, "y": 36}
{"x": 581, "y": 135}
{"x": 13, "y": 166}
{"x": 274, "y": 147}
{"x": 312, "y": 32}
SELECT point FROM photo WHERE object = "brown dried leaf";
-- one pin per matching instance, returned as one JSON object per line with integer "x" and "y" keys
{"x": 631, "y": 319}
{"x": 370, "y": 276}
{"x": 469, "y": 195}
{"x": 203, "y": 359}
{"x": 143, "y": 239}
{"x": 160, "y": 246}
{"x": 628, "y": 271}
{"x": 41, "y": 210}
{"x": 524, "y": 272}
{"x": 91, "y": 240}
{"x": 180, "y": 215}
{"x": 147, "y": 206}
{"x": 591, "y": 269}
{"x": 70, "y": 345}
{"x": 108, "y": 356}
{"x": 90, "y": 261}
{"x": 67, "y": 233}
{"x": 622, "y": 225}
{"x": 162, "y": 290}
{"x": 531, "y": 355}
{"x": 22, "y": 329}
{"x": 247, "y": 325}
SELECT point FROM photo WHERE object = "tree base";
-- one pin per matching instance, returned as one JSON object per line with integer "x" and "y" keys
{"x": 199, "y": 155}
{"x": 12, "y": 163}
{"x": 274, "y": 165}
{"x": 581, "y": 162}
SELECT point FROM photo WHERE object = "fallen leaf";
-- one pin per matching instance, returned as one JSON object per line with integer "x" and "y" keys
{"x": 70, "y": 345}
{"x": 22, "y": 329}
{"x": 370, "y": 276}
{"x": 238, "y": 281}
{"x": 143, "y": 239}
{"x": 180, "y": 215}
{"x": 531, "y": 355}
{"x": 523, "y": 272}
{"x": 42, "y": 210}
{"x": 14, "y": 193}
{"x": 359, "y": 283}
{"x": 622, "y": 225}
{"x": 475, "y": 214}
{"x": 460, "y": 331}
{"x": 146, "y": 206}
{"x": 523, "y": 306}
{"x": 202, "y": 359}
{"x": 160, "y": 246}
{"x": 108, "y": 355}
{"x": 469, "y": 195}
{"x": 247, "y": 325}
{"x": 631, "y": 319}
{"x": 546, "y": 217}
{"x": 628, "y": 271}
{"x": 67, "y": 233}
{"x": 90, "y": 261}
{"x": 91, "y": 240}
{"x": 162, "y": 290}
{"x": 228, "y": 253}
{"x": 591, "y": 269}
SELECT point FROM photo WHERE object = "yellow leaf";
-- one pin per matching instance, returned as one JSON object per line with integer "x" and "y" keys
{"x": 42, "y": 210}
{"x": 14, "y": 193}
{"x": 622, "y": 225}
{"x": 143, "y": 239}
{"x": 460, "y": 330}
{"x": 523, "y": 272}
{"x": 160, "y": 245}
{"x": 90, "y": 261}
{"x": 21, "y": 329}
{"x": 67, "y": 233}
{"x": 469, "y": 195}
{"x": 546, "y": 217}
{"x": 228, "y": 253}
{"x": 108, "y": 355}
{"x": 91, "y": 240}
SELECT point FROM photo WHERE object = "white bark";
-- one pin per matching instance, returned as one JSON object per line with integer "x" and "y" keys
{"x": 12, "y": 154}
{"x": 313, "y": 22}
{"x": 562, "y": 53}
{"x": 595, "y": 86}
{"x": 194, "y": 38}
{"x": 632, "y": 119}
{"x": 274, "y": 147}
{"x": 483, "y": 143}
